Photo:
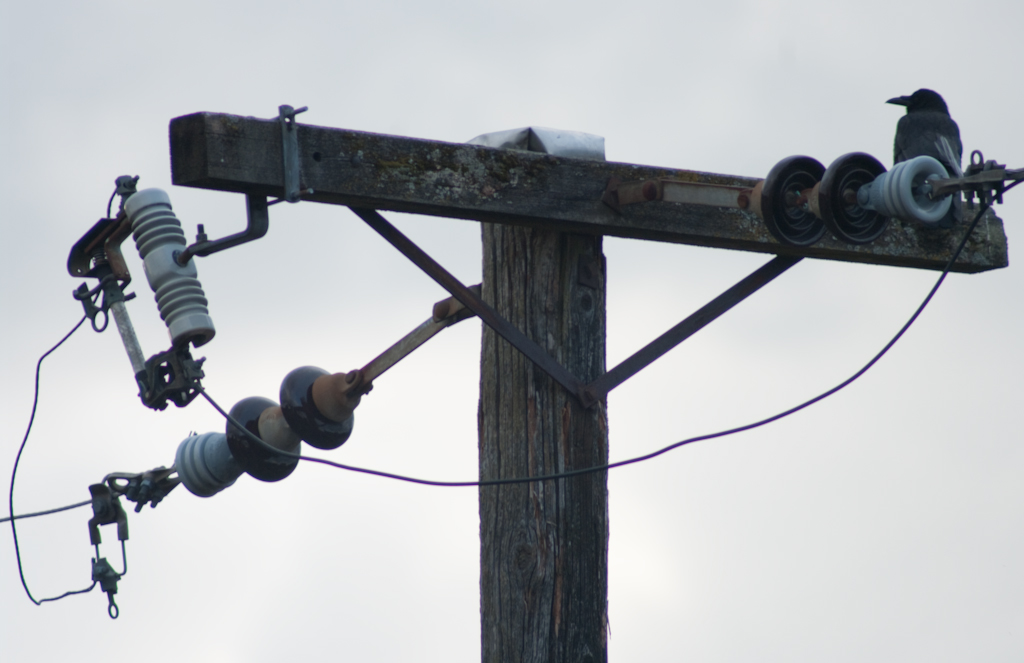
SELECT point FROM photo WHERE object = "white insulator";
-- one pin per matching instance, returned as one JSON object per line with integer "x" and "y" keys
{"x": 903, "y": 192}
{"x": 205, "y": 464}
{"x": 179, "y": 296}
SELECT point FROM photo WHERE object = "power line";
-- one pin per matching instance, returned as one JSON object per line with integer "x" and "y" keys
{"x": 654, "y": 454}
{"x": 495, "y": 482}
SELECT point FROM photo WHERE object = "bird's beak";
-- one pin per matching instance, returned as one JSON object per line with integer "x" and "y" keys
{"x": 899, "y": 101}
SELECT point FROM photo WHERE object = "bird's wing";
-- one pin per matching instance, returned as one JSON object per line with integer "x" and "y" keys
{"x": 917, "y": 133}
{"x": 901, "y": 145}
{"x": 949, "y": 157}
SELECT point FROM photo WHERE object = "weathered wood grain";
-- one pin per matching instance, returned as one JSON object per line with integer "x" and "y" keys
{"x": 243, "y": 154}
{"x": 544, "y": 546}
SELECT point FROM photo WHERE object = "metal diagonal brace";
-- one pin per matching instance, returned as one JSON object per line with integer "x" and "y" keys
{"x": 600, "y": 387}
{"x": 473, "y": 302}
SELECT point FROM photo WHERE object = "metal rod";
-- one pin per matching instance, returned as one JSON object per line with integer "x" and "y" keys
{"x": 688, "y": 327}
{"x": 407, "y": 344}
{"x": 489, "y": 316}
{"x": 128, "y": 337}
{"x": 943, "y": 187}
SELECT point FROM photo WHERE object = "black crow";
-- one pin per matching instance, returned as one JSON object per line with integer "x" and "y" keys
{"x": 920, "y": 133}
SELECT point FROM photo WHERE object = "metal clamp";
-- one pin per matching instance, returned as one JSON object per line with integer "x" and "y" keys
{"x": 172, "y": 376}
{"x": 98, "y": 255}
{"x": 150, "y": 486}
{"x": 107, "y": 510}
{"x": 986, "y": 179}
{"x": 107, "y": 577}
{"x": 290, "y": 151}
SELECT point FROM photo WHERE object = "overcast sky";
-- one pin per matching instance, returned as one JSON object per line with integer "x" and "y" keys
{"x": 883, "y": 524}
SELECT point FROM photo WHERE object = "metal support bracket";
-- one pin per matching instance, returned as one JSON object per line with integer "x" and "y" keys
{"x": 591, "y": 394}
{"x": 600, "y": 387}
{"x": 256, "y": 207}
{"x": 473, "y": 302}
{"x": 257, "y": 223}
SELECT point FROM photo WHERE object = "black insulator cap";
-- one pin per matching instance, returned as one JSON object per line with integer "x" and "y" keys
{"x": 791, "y": 223}
{"x": 259, "y": 462}
{"x": 302, "y": 415}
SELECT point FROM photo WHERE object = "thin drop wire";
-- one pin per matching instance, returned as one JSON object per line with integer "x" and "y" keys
{"x": 110, "y": 202}
{"x": 654, "y": 454}
{"x": 64, "y": 595}
{"x": 10, "y": 495}
{"x": 22, "y": 516}
{"x": 124, "y": 560}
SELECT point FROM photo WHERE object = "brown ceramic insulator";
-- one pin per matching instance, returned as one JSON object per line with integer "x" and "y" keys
{"x": 755, "y": 199}
{"x": 813, "y": 200}
{"x": 255, "y": 459}
{"x": 331, "y": 395}
{"x": 275, "y": 431}
{"x": 306, "y": 418}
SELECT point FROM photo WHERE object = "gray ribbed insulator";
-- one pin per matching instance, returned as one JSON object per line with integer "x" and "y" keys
{"x": 179, "y": 296}
{"x": 205, "y": 464}
{"x": 900, "y": 193}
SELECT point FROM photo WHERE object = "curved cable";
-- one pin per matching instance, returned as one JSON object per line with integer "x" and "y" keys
{"x": 110, "y": 202}
{"x": 323, "y": 461}
{"x": 654, "y": 454}
{"x": 14, "y": 473}
{"x": 64, "y": 595}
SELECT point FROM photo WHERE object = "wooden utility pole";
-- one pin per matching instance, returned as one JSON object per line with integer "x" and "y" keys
{"x": 543, "y": 544}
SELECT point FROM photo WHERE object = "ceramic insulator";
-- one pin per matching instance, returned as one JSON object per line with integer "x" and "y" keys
{"x": 205, "y": 464}
{"x": 179, "y": 296}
